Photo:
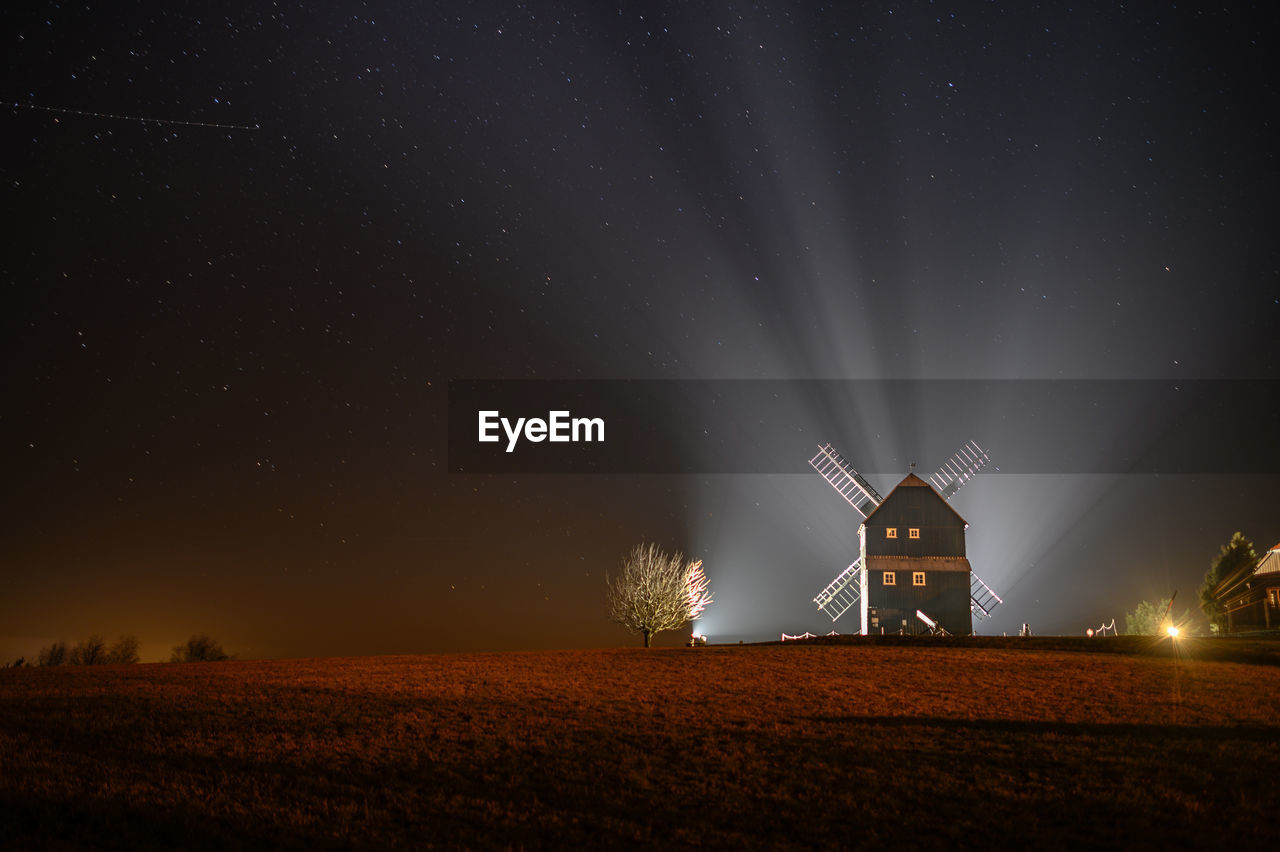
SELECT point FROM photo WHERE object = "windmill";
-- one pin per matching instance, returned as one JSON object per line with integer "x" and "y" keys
{"x": 911, "y": 555}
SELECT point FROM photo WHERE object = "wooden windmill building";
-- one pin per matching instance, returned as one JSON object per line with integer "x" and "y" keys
{"x": 911, "y": 574}
{"x": 912, "y": 545}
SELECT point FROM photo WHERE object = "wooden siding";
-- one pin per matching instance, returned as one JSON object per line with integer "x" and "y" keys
{"x": 944, "y": 597}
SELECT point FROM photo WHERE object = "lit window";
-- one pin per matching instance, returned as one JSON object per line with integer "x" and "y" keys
{"x": 917, "y": 578}
{"x": 891, "y": 532}
{"x": 890, "y": 579}
{"x": 913, "y": 532}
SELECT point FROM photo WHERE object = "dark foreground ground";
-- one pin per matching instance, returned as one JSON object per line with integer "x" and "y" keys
{"x": 888, "y": 745}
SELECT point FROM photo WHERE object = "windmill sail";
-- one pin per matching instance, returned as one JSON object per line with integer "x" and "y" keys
{"x": 842, "y": 593}
{"x": 982, "y": 599}
{"x": 845, "y": 480}
{"x": 959, "y": 469}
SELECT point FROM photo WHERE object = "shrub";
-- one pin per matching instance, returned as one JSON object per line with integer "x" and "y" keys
{"x": 124, "y": 651}
{"x": 93, "y": 651}
{"x": 54, "y": 655}
{"x": 90, "y": 652}
{"x": 199, "y": 649}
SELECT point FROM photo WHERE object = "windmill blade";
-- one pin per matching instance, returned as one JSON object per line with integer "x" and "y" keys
{"x": 845, "y": 480}
{"x": 842, "y": 593}
{"x": 959, "y": 469}
{"x": 981, "y": 599}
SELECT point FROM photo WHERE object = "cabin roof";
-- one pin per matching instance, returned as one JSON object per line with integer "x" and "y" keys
{"x": 1270, "y": 563}
{"x": 913, "y": 481}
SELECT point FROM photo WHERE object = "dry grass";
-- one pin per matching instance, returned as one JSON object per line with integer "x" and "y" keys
{"x": 737, "y": 747}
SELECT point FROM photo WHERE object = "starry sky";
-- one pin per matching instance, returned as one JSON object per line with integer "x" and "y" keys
{"x": 250, "y": 245}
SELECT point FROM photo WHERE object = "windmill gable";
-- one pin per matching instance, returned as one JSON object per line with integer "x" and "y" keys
{"x": 915, "y": 521}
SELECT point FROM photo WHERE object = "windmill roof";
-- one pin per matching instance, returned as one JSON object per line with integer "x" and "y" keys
{"x": 918, "y": 563}
{"x": 913, "y": 481}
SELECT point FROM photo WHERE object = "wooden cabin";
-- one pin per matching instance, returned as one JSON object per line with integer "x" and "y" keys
{"x": 1257, "y": 605}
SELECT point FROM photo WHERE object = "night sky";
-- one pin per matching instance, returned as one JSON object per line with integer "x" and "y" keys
{"x": 247, "y": 251}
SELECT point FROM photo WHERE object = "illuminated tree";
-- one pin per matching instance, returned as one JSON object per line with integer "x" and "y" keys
{"x": 1149, "y": 618}
{"x": 1226, "y": 577}
{"x": 655, "y": 591}
{"x": 698, "y": 589}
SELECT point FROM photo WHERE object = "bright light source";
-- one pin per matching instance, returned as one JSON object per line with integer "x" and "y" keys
{"x": 1173, "y": 631}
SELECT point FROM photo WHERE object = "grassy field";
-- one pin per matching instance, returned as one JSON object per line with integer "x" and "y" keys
{"x": 801, "y": 745}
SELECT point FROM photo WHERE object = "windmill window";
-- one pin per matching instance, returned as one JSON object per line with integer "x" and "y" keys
{"x": 913, "y": 532}
{"x": 891, "y": 532}
{"x": 917, "y": 578}
{"x": 890, "y": 578}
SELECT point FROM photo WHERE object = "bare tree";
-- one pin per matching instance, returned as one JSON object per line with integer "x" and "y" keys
{"x": 655, "y": 591}
{"x": 93, "y": 651}
{"x": 90, "y": 652}
{"x": 698, "y": 588}
{"x": 199, "y": 649}
{"x": 125, "y": 650}
{"x": 54, "y": 655}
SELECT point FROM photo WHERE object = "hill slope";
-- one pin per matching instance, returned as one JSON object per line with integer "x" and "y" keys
{"x": 759, "y": 746}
